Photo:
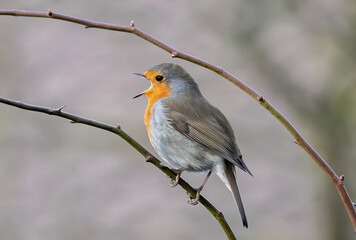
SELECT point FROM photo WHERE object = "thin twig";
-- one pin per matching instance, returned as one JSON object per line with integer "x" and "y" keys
{"x": 299, "y": 139}
{"x": 118, "y": 131}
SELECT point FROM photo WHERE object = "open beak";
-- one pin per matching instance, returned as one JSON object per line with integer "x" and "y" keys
{"x": 143, "y": 76}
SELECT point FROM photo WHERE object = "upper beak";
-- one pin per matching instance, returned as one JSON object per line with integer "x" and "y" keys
{"x": 143, "y": 76}
{"x": 140, "y": 74}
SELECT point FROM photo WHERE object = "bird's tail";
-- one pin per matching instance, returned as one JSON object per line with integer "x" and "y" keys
{"x": 230, "y": 175}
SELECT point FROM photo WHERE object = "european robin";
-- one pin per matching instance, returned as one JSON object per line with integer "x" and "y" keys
{"x": 187, "y": 132}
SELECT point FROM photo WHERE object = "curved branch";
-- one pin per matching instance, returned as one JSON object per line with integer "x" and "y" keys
{"x": 299, "y": 139}
{"x": 118, "y": 131}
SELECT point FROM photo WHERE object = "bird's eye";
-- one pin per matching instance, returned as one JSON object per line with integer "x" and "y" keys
{"x": 159, "y": 78}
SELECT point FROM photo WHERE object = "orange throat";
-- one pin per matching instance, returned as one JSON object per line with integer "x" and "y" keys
{"x": 154, "y": 93}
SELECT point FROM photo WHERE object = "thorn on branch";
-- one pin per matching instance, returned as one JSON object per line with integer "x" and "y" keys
{"x": 56, "y": 110}
{"x": 50, "y": 13}
{"x": 261, "y": 99}
{"x": 118, "y": 126}
{"x": 220, "y": 215}
{"x": 72, "y": 121}
{"x": 342, "y": 178}
{"x": 132, "y": 24}
{"x": 59, "y": 109}
{"x": 174, "y": 54}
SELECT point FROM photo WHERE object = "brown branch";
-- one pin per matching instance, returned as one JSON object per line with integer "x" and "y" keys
{"x": 254, "y": 94}
{"x": 118, "y": 131}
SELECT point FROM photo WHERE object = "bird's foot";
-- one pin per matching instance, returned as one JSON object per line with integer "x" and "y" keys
{"x": 193, "y": 201}
{"x": 174, "y": 182}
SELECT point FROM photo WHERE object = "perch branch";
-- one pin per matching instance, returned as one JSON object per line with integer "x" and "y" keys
{"x": 299, "y": 139}
{"x": 118, "y": 131}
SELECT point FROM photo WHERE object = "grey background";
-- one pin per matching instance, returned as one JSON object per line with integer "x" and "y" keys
{"x": 64, "y": 181}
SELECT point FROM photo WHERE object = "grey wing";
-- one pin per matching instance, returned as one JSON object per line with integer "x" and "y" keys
{"x": 214, "y": 133}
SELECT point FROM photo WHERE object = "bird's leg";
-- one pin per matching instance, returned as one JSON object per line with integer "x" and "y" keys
{"x": 174, "y": 182}
{"x": 194, "y": 201}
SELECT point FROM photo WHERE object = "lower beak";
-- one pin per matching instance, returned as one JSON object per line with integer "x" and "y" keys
{"x": 143, "y": 76}
{"x": 139, "y": 95}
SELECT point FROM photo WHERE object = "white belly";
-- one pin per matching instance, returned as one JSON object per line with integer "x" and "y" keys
{"x": 178, "y": 151}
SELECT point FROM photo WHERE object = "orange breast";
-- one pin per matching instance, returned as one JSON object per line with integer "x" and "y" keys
{"x": 154, "y": 93}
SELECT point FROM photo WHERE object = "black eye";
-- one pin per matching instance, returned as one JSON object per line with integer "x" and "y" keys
{"x": 159, "y": 78}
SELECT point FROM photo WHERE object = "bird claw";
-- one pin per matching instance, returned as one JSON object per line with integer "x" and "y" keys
{"x": 173, "y": 183}
{"x": 193, "y": 201}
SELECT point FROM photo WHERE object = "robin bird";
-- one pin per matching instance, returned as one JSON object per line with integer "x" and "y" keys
{"x": 187, "y": 132}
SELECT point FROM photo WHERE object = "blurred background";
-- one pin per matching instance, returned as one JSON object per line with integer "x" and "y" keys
{"x": 68, "y": 181}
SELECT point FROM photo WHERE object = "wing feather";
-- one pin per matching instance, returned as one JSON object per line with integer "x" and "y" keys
{"x": 212, "y": 131}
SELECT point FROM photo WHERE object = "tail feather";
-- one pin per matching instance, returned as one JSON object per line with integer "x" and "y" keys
{"x": 230, "y": 175}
